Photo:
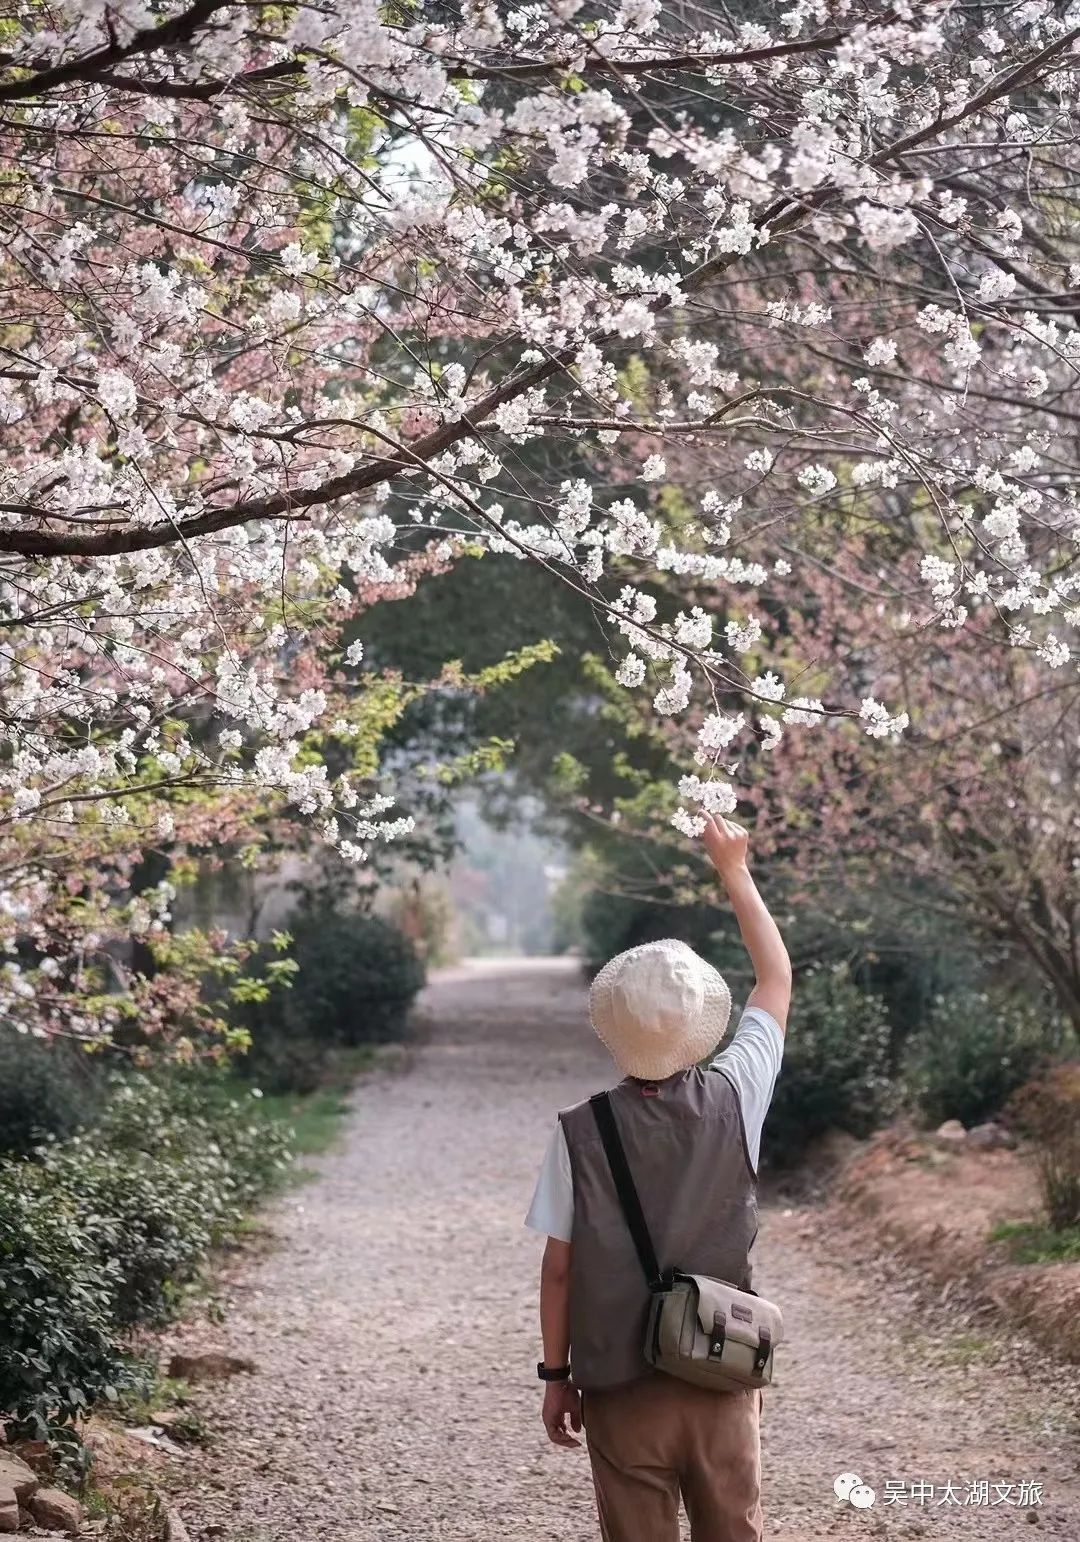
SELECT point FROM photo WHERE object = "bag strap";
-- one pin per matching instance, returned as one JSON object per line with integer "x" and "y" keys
{"x": 629, "y": 1202}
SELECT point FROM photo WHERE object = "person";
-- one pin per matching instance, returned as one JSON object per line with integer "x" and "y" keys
{"x": 692, "y": 1137}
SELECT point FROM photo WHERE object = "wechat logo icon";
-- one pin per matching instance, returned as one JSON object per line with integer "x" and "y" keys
{"x": 850, "y": 1489}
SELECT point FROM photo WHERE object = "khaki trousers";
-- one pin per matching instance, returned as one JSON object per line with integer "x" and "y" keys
{"x": 660, "y": 1438}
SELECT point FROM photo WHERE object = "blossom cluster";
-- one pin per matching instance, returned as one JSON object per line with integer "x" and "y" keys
{"x": 296, "y": 299}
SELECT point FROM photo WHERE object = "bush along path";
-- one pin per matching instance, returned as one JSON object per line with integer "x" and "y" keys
{"x": 393, "y": 1334}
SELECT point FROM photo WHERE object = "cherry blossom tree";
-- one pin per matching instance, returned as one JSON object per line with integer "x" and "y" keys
{"x": 977, "y": 825}
{"x": 295, "y": 295}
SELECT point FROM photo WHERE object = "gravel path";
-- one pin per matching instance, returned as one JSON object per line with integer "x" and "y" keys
{"x": 395, "y": 1334}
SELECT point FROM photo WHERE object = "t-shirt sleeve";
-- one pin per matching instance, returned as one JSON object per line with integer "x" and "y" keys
{"x": 751, "y": 1062}
{"x": 552, "y": 1208}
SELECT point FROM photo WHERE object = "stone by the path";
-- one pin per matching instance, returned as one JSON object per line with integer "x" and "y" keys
{"x": 56, "y": 1511}
{"x": 175, "y": 1530}
{"x": 15, "y": 1474}
{"x": 9, "y": 1510}
{"x": 209, "y": 1367}
{"x": 951, "y": 1134}
{"x": 990, "y": 1137}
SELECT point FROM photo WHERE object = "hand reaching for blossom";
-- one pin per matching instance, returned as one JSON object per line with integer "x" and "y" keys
{"x": 726, "y": 843}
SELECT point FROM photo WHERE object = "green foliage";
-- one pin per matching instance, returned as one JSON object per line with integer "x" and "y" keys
{"x": 358, "y": 976}
{"x": 169, "y": 1173}
{"x": 514, "y": 664}
{"x": 275, "y": 974}
{"x": 836, "y": 1065}
{"x": 896, "y": 947}
{"x": 48, "y": 1090}
{"x": 475, "y": 618}
{"x": 100, "y": 1234}
{"x": 281, "y": 1061}
{"x": 314, "y": 1121}
{"x": 613, "y": 922}
{"x": 630, "y": 897}
{"x": 976, "y": 1048}
{"x": 58, "y": 1348}
{"x": 1029, "y": 1243}
{"x": 491, "y": 756}
{"x": 277, "y": 1059}
{"x": 568, "y": 775}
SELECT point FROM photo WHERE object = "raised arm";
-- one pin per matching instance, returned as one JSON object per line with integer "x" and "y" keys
{"x": 727, "y": 844}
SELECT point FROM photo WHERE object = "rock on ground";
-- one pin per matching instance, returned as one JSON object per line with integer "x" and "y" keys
{"x": 17, "y": 1475}
{"x": 950, "y": 1134}
{"x": 9, "y": 1510}
{"x": 55, "y": 1510}
{"x": 395, "y": 1331}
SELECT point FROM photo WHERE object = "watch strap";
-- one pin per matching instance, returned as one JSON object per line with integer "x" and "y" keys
{"x": 553, "y": 1373}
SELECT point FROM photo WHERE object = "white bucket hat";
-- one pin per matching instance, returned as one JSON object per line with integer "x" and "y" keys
{"x": 659, "y": 1008}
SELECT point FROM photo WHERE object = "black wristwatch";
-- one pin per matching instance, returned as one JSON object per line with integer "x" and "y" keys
{"x": 553, "y": 1373}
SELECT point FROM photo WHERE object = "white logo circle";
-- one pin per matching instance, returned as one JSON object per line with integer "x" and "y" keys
{"x": 862, "y": 1496}
{"x": 843, "y": 1485}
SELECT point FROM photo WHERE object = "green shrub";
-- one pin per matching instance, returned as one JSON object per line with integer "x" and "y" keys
{"x": 355, "y": 980}
{"x": 835, "y": 1074}
{"x": 283, "y": 1056}
{"x": 200, "y": 1117}
{"x": 162, "y": 1183}
{"x": 357, "y": 977}
{"x": 975, "y": 1050}
{"x": 282, "y": 1060}
{"x": 612, "y": 922}
{"x": 58, "y": 1349}
{"x": 156, "y": 1217}
{"x": 47, "y": 1091}
{"x": 100, "y": 1234}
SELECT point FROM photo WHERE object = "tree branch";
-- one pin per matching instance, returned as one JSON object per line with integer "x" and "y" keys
{"x": 171, "y": 34}
{"x": 95, "y": 69}
{"x": 783, "y": 216}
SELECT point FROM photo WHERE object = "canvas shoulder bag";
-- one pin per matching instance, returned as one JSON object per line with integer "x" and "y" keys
{"x": 702, "y": 1330}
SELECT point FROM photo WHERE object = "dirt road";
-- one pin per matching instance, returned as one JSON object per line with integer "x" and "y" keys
{"x": 395, "y": 1334}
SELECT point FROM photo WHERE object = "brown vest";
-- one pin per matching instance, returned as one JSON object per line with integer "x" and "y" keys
{"x": 687, "y": 1152}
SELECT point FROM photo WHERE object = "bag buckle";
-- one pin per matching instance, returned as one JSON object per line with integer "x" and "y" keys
{"x": 764, "y": 1349}
{"x": 718, "y": 1335}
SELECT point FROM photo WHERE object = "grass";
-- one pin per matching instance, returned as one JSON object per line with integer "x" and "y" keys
{"x": 134, "y": 1513}
{"x": 1033, "y": 1242}
{"x": 315, "y": 1118}
{"x": 137, "y": 1406}
{"x": 163, "y": 1394}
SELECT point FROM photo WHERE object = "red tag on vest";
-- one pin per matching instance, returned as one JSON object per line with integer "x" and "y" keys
{"x": 650, "y": 1090}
